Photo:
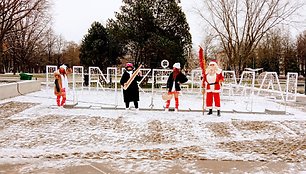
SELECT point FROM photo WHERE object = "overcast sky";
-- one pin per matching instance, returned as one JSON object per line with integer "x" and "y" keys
{"x": 72, "y": 18}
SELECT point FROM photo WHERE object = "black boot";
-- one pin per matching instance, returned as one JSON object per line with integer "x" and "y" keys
{"x": 218, "y": 113}
{"x": 209, "y": 112}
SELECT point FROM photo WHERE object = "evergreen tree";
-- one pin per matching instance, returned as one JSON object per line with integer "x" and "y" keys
{"x": 153, "y": 30}
{"x": 96, "y": 49}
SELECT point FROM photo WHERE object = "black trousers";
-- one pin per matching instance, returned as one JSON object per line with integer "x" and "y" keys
{"x": 127, "y": 104}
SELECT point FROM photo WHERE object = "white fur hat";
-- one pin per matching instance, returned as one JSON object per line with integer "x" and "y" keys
{"x": 64, "y": 67}
{"x": 177, "y": 65}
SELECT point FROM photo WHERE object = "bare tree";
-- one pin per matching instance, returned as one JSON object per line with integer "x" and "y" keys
{"x": 25, "y": 37}
{"x": 60, "y": 44}
{"x": 301, "y": 53}
{"x": 241, "y": 24}
{"x": 12, "y": 12}
{"x": 210, "y": 48}
{"x": 269, "y": 54}
{"x": 71, "y": 54}
{"x": 289, "y": 55}
{"x": 50, "y": 41}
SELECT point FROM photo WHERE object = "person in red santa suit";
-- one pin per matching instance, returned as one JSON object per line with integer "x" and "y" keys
{"x": 213, "y": 79}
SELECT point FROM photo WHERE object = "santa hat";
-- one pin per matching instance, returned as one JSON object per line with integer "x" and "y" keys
{"x": 213, "y": 62}
{"x": 64, "y": 67}
{"x": 177, "y": 65}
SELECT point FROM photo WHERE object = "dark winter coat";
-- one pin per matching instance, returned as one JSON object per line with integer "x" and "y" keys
{"x": 180, "y": 78}
{"x": 57, "y": 85}
{"x": 132, "y": 92}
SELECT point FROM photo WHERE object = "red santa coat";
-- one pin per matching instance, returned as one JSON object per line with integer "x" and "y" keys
{"x": 213, "y": 88}
{"x": 213, "y": 82}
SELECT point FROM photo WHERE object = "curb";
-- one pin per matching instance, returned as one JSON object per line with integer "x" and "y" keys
{"x": 266, "y": 112}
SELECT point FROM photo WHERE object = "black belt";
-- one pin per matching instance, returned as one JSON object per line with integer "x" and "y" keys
{"x": 212, "y": 83}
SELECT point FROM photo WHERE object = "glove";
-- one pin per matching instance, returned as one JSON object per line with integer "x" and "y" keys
{"x": 203, "y": 91}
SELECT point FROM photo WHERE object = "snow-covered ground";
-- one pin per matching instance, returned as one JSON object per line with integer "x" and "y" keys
{"x": 33, "y": 129}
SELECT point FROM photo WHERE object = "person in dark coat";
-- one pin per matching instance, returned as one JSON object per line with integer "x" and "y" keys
{"x": 131, "y": 94}
{"x": 173, "y": 85}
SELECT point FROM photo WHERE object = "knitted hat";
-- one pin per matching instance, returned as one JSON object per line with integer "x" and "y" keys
{"x": 177, "y": 65}
{"x": 129, "y": 65}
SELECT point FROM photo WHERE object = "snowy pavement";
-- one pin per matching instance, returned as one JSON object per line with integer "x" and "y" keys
{"x": 32, "y": 128}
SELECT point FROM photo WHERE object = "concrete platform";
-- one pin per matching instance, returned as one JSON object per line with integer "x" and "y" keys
{"x": 95, "y": 107}
{"x": 18, "y": 88}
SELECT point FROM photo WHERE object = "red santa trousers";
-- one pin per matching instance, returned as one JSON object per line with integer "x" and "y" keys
{"x": 213, "y": 96}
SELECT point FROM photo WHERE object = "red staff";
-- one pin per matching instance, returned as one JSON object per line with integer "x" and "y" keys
{"x": 202, "y": 65}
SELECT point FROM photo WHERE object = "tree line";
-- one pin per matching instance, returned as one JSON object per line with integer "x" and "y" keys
{"x": 242, "y": 33}
{"x": 27, "y": 40}
{"x": 143, "y": 32}
{"x": 253, "y": 34}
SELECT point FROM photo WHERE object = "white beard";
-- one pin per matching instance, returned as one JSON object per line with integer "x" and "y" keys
{"x": 213, "y": 70}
